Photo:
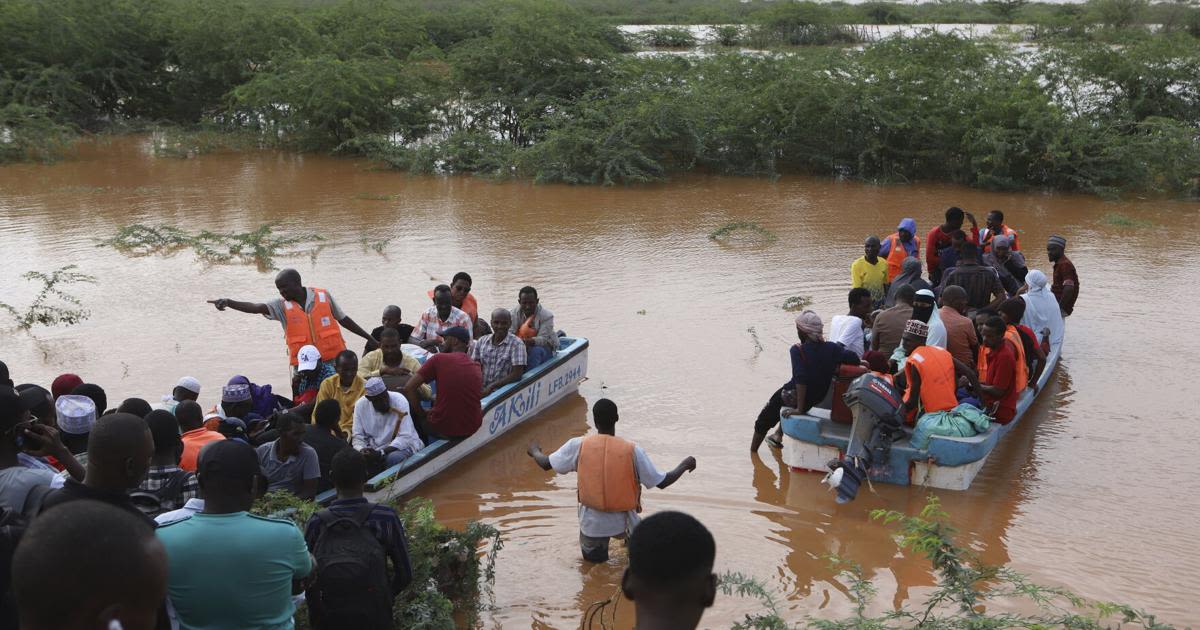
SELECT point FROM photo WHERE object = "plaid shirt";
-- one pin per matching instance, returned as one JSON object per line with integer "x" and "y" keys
{"x": 430, "y": 327}
{"x": 158, "y": 476}
{"x": 497, "y": 360}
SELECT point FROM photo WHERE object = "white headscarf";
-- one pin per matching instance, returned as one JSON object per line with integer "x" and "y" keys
{"x": 1041, "y": 308}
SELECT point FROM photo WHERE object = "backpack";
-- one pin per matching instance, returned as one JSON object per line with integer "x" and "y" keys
{"x": 352, "y": 589}
{"x": 155, "y": 502}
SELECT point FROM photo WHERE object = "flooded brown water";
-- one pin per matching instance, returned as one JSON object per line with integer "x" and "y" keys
{"x": 1096, "y": 490}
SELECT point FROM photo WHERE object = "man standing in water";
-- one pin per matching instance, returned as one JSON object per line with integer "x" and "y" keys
{"x": 609, "y": 470}
{"x": 309, "y": 316}
{"x": 1065, "y": 286}
{"x": 870, "y": 272}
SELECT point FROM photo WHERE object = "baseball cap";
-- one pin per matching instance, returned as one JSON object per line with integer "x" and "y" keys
{"x": 227, "y": 459}
{"x": 189, "y": 383}
{"x": 458, "y": 332}
{"x": 76, "y": 414}
{"x": 307, "y": 358}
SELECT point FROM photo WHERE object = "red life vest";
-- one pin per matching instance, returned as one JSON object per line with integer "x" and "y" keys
{"x": 607, "y": 477}
{"x": 897, "y": 254}
{"x": 938, "y": 385}
{"x": 318, "y": 328}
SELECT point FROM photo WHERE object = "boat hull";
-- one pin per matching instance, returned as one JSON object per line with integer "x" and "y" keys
{"x": 812, "y": 440}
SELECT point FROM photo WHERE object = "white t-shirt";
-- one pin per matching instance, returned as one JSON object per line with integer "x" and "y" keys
{"x": 596, "y": 523}
{"x": 372, "y": 429}
{"x": 848, "y": 331}
{"x": 191, "y": 507}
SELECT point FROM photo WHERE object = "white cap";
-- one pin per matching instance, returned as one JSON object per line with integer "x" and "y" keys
{"x": 925, "y": 293}
{"x": 76, "y": 414}
{"x": 375, "y": 386}
{"x": 307, "y": 358}
{"x": 189, "y": 383}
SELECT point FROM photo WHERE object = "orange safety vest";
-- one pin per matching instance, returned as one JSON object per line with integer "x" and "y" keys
{"x": 938, "y": 385}
{"x": 1013, "y": 337}
{"x": 986, "y": 236}
{"x": 318, "y": 328}
{"x": 897, "y": 254}
{"x": 607, "y": 476}
{"x": 526, "y": 330}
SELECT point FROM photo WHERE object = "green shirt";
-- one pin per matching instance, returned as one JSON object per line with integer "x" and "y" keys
{"x": 233, "y": 570}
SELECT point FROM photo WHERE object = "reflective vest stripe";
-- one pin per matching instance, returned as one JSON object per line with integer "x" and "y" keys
{"x": 607, "y": 475}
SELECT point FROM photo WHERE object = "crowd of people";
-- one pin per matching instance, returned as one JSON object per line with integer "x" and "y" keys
{"x": 181, "y": 478}
{"x": 959, "y": 343}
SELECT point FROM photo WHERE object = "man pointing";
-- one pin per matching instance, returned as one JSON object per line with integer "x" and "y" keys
{"x": 309, "y": 316}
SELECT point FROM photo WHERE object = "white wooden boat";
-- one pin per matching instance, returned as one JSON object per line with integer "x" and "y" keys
{"x": 503, "y": 409}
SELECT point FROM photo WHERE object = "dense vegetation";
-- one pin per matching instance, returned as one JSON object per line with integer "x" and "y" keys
{"x": 544, "y": 89}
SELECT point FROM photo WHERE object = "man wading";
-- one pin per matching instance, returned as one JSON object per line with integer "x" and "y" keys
{"x": 609, "y": 469}
{"x": 309, "y": 316}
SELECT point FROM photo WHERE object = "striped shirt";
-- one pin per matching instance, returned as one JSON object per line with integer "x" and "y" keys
{"x": 497, "y": 360}
{"x": 383, "y": 523}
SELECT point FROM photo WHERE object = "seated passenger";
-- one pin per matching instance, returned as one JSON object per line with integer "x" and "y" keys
{"x": 287, "y": 462}
{"x": 346, "y": 387}
{"x": 326, "y": 438}
{"x": 194, "y": 434}
{"x": 1011, "y": 311}
{"x": 1009, "y": 264}
{"x": 456, "y": 412}
{"x": 460, "y": 296}
{"x": 436, "y": 318}
{"x": 166, "y": 486}
{"x": 930, "y": 376}
{"x": 1001, "y": 371}
{"x": 925, "y": 311}
{"x": 1042, "y": 314}
{"x": 501, "y": 355}
{"x": 391, "y": 363}
{"x": 910, "y": 275}
{"x": 996, "y": 227}
{"x": 961, "y": 339}
{"x": 236, "y": 402}
{"x": 383, "y": 428}
{"x": 188, "y": 388}
{"x": 814, "y": 362}
{"x": 536, "y": 327}
{"x": 311, "y": 371}
{"x": 889, "y": 324}
{"x": 848, "y": 329}
{"x": 980, "y": 282}
{"x": 391, "y": 321}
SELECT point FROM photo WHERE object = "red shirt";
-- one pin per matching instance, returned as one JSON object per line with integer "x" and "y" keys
{"x": 1001, "y": 372}
{"x": 937, "y": 240}
{"x": 456, "y": 411}
{"x": 1064, "y": 270}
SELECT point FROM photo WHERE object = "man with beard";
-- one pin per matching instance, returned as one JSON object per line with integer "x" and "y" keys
{"x": 383, "y": 430}
{"x": 1065, "y": 285}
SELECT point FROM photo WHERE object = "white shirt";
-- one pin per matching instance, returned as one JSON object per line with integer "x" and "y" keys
{"x": 375, "y": 430}
{"x": 848, "y": 331}
{"x": 596, "y": 523}
{"x": 191, "y": 507}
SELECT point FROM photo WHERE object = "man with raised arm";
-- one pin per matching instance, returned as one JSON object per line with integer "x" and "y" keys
{"x": 309, "y": 316}
{"x": 609, "y": 470}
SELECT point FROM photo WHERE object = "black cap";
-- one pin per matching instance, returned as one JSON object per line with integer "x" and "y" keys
{"x": 228, "y": 459}
{"x": 11, "y": 406}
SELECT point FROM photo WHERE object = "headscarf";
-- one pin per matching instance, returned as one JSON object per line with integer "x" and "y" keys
{"x": 937, "y": 330}
{"x": 1041, "y": 308}
{"x": 910, "y": 273}
{"x": 810, "y": 324}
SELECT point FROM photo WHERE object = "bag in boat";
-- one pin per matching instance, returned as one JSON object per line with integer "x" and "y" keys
{"x": 352, "y": 589}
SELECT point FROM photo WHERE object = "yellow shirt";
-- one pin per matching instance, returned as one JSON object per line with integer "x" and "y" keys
{"x": 870, "y": 277}
{"x": 372, "y": 362}
{"x": 332, "y": 388}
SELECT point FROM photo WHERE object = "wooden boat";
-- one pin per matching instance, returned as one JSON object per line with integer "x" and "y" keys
{"x": 503, "y": 409}
{"x": 812, "y": 440}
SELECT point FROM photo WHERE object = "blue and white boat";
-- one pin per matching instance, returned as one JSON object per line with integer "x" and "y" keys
{"x": 503, "y": 409}
{"x": 813, "y": 439}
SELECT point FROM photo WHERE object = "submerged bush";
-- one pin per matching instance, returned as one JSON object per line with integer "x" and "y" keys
{"x": 670, "y": 37}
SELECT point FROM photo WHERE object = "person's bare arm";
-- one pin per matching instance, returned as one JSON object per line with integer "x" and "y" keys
{"x": 540, "y": 458}
{"x": 46, "y": 441}
{"x": 253, "y": 308}
{"x": 910, "y": 403}
{"x": 352, "y": 326}
{"x": 308, "y": 489}
{"x": 1040, "y": 357}
{"x": 963, "y": 370}
{"x": 801, "y": 394}
{"x": 413, "y": 385}
{"x": 688, "y": 464}
{"x": 1070, "y": 293}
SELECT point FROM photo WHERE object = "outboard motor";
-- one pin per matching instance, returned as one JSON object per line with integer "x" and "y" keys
{"x": 877, "y": 408}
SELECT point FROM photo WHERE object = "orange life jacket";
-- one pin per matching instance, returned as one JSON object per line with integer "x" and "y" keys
{"x": 986, "y": 236}
{"x": 526, "y": 330}
{"x": 1022, "y": 375}
{"x": 318, "y": 328}
{"x": 607, "y": 477}
{"x": 897, "y": 254}
{"x": 938, "y": 385}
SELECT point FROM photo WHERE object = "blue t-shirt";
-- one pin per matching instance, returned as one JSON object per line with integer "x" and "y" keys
{"x": 814, "y": 365}
{"x": 233, "y": 570}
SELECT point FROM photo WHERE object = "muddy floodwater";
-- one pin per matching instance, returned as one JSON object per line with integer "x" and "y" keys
{"x": 1096, "y": 490}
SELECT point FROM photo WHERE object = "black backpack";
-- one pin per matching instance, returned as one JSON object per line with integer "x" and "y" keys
{"x": 153, "y": 502}
{"x": 352, "y": 589}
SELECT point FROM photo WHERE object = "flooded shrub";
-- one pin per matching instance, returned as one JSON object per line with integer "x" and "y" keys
{"x": 29, "y": 134}
{"x": 260, "y": 246}
{"x": 728, "y": 35}
{"x": 669, "y": 37}
{"x": 52, "y": 305}
{"x": 800, "y": 24}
